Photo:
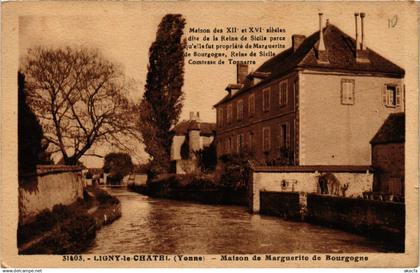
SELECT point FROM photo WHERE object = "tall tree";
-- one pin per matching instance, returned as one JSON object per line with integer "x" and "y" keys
{"x": 31, "y": 146}
{"x": 163, "y": 97}
{"x": 78, "y": 96}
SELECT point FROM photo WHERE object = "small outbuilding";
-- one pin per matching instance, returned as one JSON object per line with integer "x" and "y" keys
{"x": 388, "y": 155}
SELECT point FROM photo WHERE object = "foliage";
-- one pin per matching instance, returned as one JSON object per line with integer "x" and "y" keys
{"x": 31, "y": 145}
{"x": 78, "y": 98}
{"x": 163, "y": 97}
{"x": 235, "y": 171}
{"x": 183, "y": 181}
{"x": 141, "y": 168}
{"x": 88, "y": 175}
{"x": 117, "y": 165}
{"x": 207, "y": 158}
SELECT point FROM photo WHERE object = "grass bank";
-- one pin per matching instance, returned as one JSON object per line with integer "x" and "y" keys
{"x": 68, "y": 229}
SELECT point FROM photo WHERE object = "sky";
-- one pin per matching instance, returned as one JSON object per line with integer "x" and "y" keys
{"x": 123, "y": 32}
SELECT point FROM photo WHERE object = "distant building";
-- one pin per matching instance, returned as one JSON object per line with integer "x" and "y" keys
{"x": 319, "y": 102}
{"x": 388, "y": 155}
{"x": 190, "y": 136}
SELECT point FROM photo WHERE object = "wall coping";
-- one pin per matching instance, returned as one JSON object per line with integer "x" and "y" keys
{"x": 315, "y": 168}
{"x": 49, "y": 169}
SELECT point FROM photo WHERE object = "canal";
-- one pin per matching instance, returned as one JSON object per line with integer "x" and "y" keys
{"x": 163, "y": 226}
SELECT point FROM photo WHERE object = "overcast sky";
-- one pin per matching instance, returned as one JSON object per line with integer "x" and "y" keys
{"x": 124, "y": 35}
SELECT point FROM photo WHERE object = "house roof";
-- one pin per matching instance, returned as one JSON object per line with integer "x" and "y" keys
{"x": 392, "y": 131}
{"x": 206, "y": 128}
{"x": 341, "y": 58}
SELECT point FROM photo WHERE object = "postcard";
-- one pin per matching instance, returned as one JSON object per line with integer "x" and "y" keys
{"x": 209, "y": 134}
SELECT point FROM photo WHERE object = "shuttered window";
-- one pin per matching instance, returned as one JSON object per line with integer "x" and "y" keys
{"x": 266, "y": 139}
{"x": 283, "y": 93}
{"x": 220, "y": 117}
{"x": 229, "y": 113}
{"x": 240, "y": 110}
{"x": 347, "y": 91}
{"x": 240, "y": 143}
{"x": 251, "y": 141}
{"x": 251, "y": 105}
{"x": 284, "y": 136}
{"x": 391, "y": 95}
{"x": 266, "y": 99}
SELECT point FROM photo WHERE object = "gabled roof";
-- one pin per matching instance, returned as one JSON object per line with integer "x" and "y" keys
{"x": 392, "y": 131}
{"x": 206, "y": 128}
{"x": 341, "y": 58}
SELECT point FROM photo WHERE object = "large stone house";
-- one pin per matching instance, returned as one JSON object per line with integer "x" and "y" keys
{"x": 189, "y": 136}
{"x": 320, "y": 102}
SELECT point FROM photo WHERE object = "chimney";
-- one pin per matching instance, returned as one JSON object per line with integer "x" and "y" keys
{"x": 361, "y": 52}
{"x": 192, "y": 116}
{"x": 242, "y": 72}
{"x": 297, "y": 40}
{"x": 356, "y": 15}
{"x": 362, "y": 15}
{"x": 322, "y": 51}
{"x": 197, "y": 116}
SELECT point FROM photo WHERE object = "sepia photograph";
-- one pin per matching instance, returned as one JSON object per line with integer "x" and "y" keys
{"x": 209, "y": 134}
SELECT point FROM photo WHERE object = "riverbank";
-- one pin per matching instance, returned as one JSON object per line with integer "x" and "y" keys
{"x": 200, "y": 189}
{"x": 69, "y": 229}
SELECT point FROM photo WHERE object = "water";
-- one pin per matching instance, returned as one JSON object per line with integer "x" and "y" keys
{"x": 164, "y": 226}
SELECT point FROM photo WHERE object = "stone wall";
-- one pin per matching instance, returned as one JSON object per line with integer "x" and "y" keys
{"x": 375, "y": 219}
{"x": 305, "y": 179}
{"x": 284, "y": 204}
{"x": 385, "y": 220}
{"x": 49, "y": 186}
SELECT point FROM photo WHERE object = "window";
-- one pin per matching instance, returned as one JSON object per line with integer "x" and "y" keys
{"x": 251, "y": 105}
{"x": 251, "y": 141}
{"x": 220, "y": 116}
{"x": 284, "y": 136}
{"x": 391, "y": 95}
{"x": 240, "y": 143}
{"x": 347, "y": 91}
{"x": 219, "y": 147}
{"x": 266, "y": 139}
{"x": 228, "y": 145}
{"x": 229, "y": 113}
{"x": 240, "y": 110}
{"x": 283, "y": 93}
{"x": 266, "y": 99}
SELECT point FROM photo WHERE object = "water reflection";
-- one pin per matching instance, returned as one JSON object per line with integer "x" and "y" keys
{"x": 164, "y": 226}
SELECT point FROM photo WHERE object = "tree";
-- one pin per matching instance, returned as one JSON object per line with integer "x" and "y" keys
{"x": 117, "y": 165}
{"x": 163, "y": 96}
{"x": 78, "y": 97}
{"x": 31, "y": 145}
{"x": 207, "y": 157}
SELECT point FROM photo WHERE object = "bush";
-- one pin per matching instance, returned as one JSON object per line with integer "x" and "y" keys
{"x": 234, "y": 174}
{"x": 183, "y": 181}
{"x": 207, "y": 158}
